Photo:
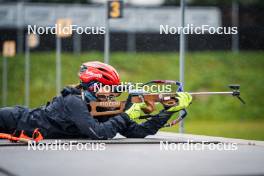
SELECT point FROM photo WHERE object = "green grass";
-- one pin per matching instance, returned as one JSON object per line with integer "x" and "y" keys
{"x": 234, "y": 129}
{"x": 205, "y": 71}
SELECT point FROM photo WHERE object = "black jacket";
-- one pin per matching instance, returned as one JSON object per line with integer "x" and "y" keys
{"x": 68, "y": 117}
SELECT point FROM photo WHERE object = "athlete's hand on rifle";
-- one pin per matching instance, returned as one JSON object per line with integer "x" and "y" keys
{"x": 184, "y": 100}
{"x": 135, "y": 110}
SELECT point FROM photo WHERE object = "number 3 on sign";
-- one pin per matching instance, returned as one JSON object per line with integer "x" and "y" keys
{"x": 115, "y": 9}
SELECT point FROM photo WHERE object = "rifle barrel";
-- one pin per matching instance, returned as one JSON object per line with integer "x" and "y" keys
{"x": 211, "y": 93}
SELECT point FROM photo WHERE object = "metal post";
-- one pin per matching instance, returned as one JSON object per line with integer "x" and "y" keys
{"x": 107, "y": 36}
{"x": 77, "y": 43}
{"x": 4, "y": 82}
{"x": 20, "y": 40}
{"x": 20, "y": 28}
{"x": 131, "y": 42}
{"x": 235, "y": 23}
{"x": 27, "y": 72}
{"x": 182, "y": 55}
{"x": 58, "y": 65}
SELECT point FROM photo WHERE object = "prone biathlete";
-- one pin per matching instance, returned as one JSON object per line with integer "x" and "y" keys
{"x": 67, "y": 115}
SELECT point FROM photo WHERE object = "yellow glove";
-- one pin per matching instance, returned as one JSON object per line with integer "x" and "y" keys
{"x": 135, "y": 111}
{"x": 184, "y": 100}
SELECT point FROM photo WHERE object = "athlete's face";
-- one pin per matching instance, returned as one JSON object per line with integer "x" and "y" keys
{"x": 106, "y": 95}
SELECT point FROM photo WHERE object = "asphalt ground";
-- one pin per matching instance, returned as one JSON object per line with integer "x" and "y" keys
{"x": 122, "y": 156}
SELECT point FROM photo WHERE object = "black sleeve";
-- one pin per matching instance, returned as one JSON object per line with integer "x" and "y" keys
{"x": 70, "y": 90}
{"x": 150, "y": 127}
{"x": 78, "y": 112}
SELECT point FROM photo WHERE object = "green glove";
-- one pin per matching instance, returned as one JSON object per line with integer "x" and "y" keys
{"x": 184, "y": 100}
{"x": 135, "y": 111}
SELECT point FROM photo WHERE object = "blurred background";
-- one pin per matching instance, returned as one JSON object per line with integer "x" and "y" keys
{"x": 140, "y": 53}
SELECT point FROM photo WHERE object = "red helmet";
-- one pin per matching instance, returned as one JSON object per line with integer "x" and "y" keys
{"x": 98, "y": 71}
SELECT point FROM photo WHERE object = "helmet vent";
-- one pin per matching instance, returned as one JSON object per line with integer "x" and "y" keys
{"x": 105, "y": 77}
{"x": 102, "y": 69}
{"x": 83, "y": 68}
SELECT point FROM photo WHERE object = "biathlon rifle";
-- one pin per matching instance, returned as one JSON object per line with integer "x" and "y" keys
{"x": 113, "y": 107}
